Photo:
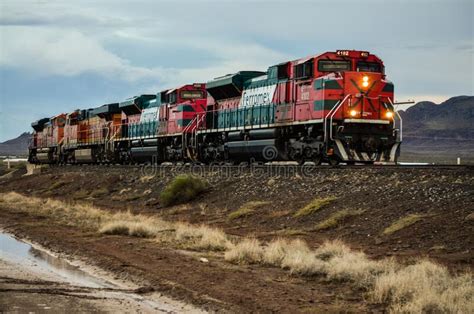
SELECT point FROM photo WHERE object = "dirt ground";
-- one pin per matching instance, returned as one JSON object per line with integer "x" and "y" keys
{"x": 26, "y": 289}
{"x": 444, "y": 197}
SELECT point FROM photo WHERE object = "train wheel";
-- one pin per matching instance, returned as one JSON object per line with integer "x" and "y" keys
{"x": 333, "y": 161}
{"x": 318, "y": 160}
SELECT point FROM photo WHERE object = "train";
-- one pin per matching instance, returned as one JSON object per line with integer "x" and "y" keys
{"x": 335, "y": 107}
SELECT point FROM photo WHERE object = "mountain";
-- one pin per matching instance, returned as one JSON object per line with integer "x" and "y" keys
{"x": 17, "y": 146}
{"x": 440, "y": 129}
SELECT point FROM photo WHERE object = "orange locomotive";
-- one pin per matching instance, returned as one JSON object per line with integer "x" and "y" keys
{"x": 333, "y": 107}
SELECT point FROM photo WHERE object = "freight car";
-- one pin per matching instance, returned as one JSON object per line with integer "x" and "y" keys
{"x": 333, "y": 107}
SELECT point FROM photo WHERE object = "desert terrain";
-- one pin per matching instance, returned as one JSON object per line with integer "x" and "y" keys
{"x": 264, "y": 239}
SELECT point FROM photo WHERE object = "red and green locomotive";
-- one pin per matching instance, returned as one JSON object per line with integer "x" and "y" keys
{"x": 333, "y": 107}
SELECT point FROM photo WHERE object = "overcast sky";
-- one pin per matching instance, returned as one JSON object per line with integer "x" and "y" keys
{"x": 57, "y": 56}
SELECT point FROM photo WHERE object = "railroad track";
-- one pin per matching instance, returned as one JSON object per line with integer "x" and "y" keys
{"x": 184, "y": 167}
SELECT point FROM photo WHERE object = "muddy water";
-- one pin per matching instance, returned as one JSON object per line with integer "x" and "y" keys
{"x": 18, "y": 252}
{"x": 88, "y": 292}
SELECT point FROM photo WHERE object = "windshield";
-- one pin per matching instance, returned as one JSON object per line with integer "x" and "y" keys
{"x": 334, "y": 65}
{"x": 363, "y": 66}
{"x": 192, "y": 94}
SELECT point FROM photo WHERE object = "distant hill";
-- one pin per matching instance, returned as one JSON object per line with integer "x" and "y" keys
{"x": 17, "y": 146}
{"x": 444, "y": 129}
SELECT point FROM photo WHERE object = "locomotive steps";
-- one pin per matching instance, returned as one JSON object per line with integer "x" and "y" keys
{"x": 405, "y": 213}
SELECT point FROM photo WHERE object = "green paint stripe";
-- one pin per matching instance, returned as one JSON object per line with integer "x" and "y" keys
{"x": 326, "y": 104}
{"x": 328, "y": 84}
{"x": 183, "y": 122}
{"x": 388, "y": 88}
{"x": 185, "y": 108}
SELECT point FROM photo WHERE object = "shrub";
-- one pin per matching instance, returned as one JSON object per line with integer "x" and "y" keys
{"x": 275, "y": 252}
{"x": 425, "y": 287}
{"x": 247, "y": 251}
{"x": 115, "y": 227}
{"x": 181, "y": 189}
{"x": 356, "y": 267}
{"x": 314, "y": 206}
{"x": 202, "y": 237}
{"x": 299, "y": 259}
{"x": 330, "y": 249}
{"x": 212, "y": 239}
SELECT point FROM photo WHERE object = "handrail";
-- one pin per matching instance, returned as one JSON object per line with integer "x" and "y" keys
{"x": 399, "y": 117}
{"x": 200, "y": 118}
{"x": 183, "y": 136}
{"x": 332, "y": 112}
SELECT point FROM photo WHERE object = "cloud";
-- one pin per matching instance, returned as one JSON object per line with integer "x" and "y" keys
{"x": 57, "y": 14}
{"x": 86, "y": 52}
{"x": 52, "y": 51}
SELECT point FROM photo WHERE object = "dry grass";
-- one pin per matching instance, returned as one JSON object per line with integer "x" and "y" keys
{"x": 135, "y": 229}
{"x": 80, "y": 194}
{"x": 100, "y": 192}
{"x": 202, "y": 237}
{"x": 299, "y": 259}
{"x": 131, "y": 197}
{"x": 425, "y": 288}
{"x": 355, "y": 267}
{"x": 337, "y": 218}
{"x": 420, "y": 288}
{"x": 290, "y": 232}
{"x": 182, "y": 189}
{"x": 120, "y": 223}
{"x": 279, "y": 214}
{"x": 145, "y": 179}
{"x": 314, "y": 206}
{"x": 246, "y": 209}
{"x": 56, "y": 185}
{"x": 330, "y": 249}
{"x": 275, "y": 252}
{"x": 247, "y": 251}
{"x": 403, "y": 223}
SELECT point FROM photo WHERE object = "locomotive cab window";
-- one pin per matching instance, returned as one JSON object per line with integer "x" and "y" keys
{"x": 304, "y": 70}
{"x": 363, "y": 66}
{"x": 283, "y": 71}
{"x": 172, "y": 97}
{"x": 334, "y": 65}
{"x": 192, "y": 94}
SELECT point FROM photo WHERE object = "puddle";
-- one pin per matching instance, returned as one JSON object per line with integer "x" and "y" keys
{"x": 19, "y": 252}
{"x": 51, "y": 268}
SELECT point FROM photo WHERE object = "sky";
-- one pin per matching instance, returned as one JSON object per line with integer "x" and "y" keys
{"x": 57, "y": 56}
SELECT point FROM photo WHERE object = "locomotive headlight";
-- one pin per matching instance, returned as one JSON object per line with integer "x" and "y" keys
{"x": 353, "y": 113}
{"x": 389, "y": 114}
{"x": 365, "y": 81}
